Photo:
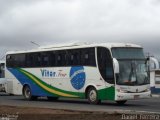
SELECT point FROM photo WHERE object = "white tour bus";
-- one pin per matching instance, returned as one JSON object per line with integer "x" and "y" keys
{"x": 109, "y": 71}
{"x": 2, "y": 77}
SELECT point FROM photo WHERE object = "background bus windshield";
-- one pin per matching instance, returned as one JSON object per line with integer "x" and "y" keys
{"x": 1, "y": 70}
{"x": 132, "y": 65}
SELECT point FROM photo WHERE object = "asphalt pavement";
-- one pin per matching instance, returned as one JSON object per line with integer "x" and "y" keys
{"x": 142, "y": 105}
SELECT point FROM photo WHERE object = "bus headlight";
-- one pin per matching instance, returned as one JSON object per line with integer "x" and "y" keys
{"x": 146, "y": 90}
{"x": 122, "y": 91}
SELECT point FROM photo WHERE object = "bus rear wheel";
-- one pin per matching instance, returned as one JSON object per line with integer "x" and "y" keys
{"x": 27, "y": 93}
{"x": 121, "y": 102}
{"x": 93, "y": 96}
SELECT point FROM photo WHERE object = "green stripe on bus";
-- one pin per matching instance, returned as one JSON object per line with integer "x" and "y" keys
{"x": 107, "y": 93}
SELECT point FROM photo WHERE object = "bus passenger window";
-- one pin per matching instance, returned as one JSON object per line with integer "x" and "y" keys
{"x": 44, "y": 59}
{"x": 52, "y": 59}
{"x": 29, "y": 60}
{"x": 59, "y": 60}
{"x": 9, "y": 61}
{"x": 74, "y": 57}
{"x": 88, "y": 57}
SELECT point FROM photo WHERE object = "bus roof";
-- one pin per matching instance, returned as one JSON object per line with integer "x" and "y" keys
{"x": 76, "y": 45}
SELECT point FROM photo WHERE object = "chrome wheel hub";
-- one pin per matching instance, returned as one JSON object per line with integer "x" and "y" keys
{"x": 27, "y": 93}
{"x": 93, "y": 95}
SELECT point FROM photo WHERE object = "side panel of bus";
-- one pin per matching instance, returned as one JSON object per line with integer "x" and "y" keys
{"x": 65, "y": 82}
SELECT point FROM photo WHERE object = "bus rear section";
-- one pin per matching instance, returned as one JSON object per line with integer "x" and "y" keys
{"x": 2, "y": 76}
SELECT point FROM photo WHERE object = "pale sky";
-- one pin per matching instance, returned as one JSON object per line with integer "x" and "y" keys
{"x": 49, "y": 22}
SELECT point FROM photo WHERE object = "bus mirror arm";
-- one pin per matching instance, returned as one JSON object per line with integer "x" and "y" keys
{"x": 116, "y": 65}
{"x": 147, "y": 59}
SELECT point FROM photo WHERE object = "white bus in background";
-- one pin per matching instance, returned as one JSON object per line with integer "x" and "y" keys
{"x": 108, "y": 71}
{"x": 154, "y": 76}
{"x": 2, "y": 76}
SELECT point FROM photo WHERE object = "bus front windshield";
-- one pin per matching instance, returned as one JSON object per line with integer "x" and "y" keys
{"x": 132, "y": 66}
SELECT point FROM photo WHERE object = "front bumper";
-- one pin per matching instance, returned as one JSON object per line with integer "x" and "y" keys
{"x": 132, "y": 96}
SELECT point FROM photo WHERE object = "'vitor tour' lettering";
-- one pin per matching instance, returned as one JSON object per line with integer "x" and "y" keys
{"x": 50, "y": 73}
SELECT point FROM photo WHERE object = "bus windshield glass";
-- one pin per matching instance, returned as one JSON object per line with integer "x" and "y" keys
{"x": 128, "y": 53}
{"x": 132, "y": 66}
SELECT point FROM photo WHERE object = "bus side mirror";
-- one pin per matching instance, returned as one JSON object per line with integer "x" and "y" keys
{"x": 153, "y": 63}
{"x": 116, "y": 65}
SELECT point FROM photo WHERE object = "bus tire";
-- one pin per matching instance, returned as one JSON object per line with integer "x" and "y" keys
{"x": 27, "y": 93}
{"x": 92, "y": 96}
{"x": 121, "y": 102}
{"x": 52, "y": 98}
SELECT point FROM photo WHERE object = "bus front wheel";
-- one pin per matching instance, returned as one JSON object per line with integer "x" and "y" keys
{"x": 27, "y": 93}
{"x": 92, "y": 96}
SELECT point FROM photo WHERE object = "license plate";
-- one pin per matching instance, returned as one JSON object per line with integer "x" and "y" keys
{"x": 136, "y": 96}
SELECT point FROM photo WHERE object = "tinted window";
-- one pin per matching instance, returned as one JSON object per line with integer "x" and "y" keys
{"x": 60, "y": 58}
{"x": 29, "y": 60}
{"x": 105, "y": 64}
{"x": 33, "y": 60}
{"x": 45, "y": 59}
{"x": 15, "y": 60}
{"x": 73, "y": 57}
{"x": 9, "y": 61}
{"x": 88, "y": 57}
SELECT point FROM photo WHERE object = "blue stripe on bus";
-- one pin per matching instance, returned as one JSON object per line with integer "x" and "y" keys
{"x": 35, "y": 89}
{"x": 155, "y": 90}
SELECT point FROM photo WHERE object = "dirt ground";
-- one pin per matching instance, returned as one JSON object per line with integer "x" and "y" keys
{"x": 28, "y": 113}
{"x": 32, "y": 113}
